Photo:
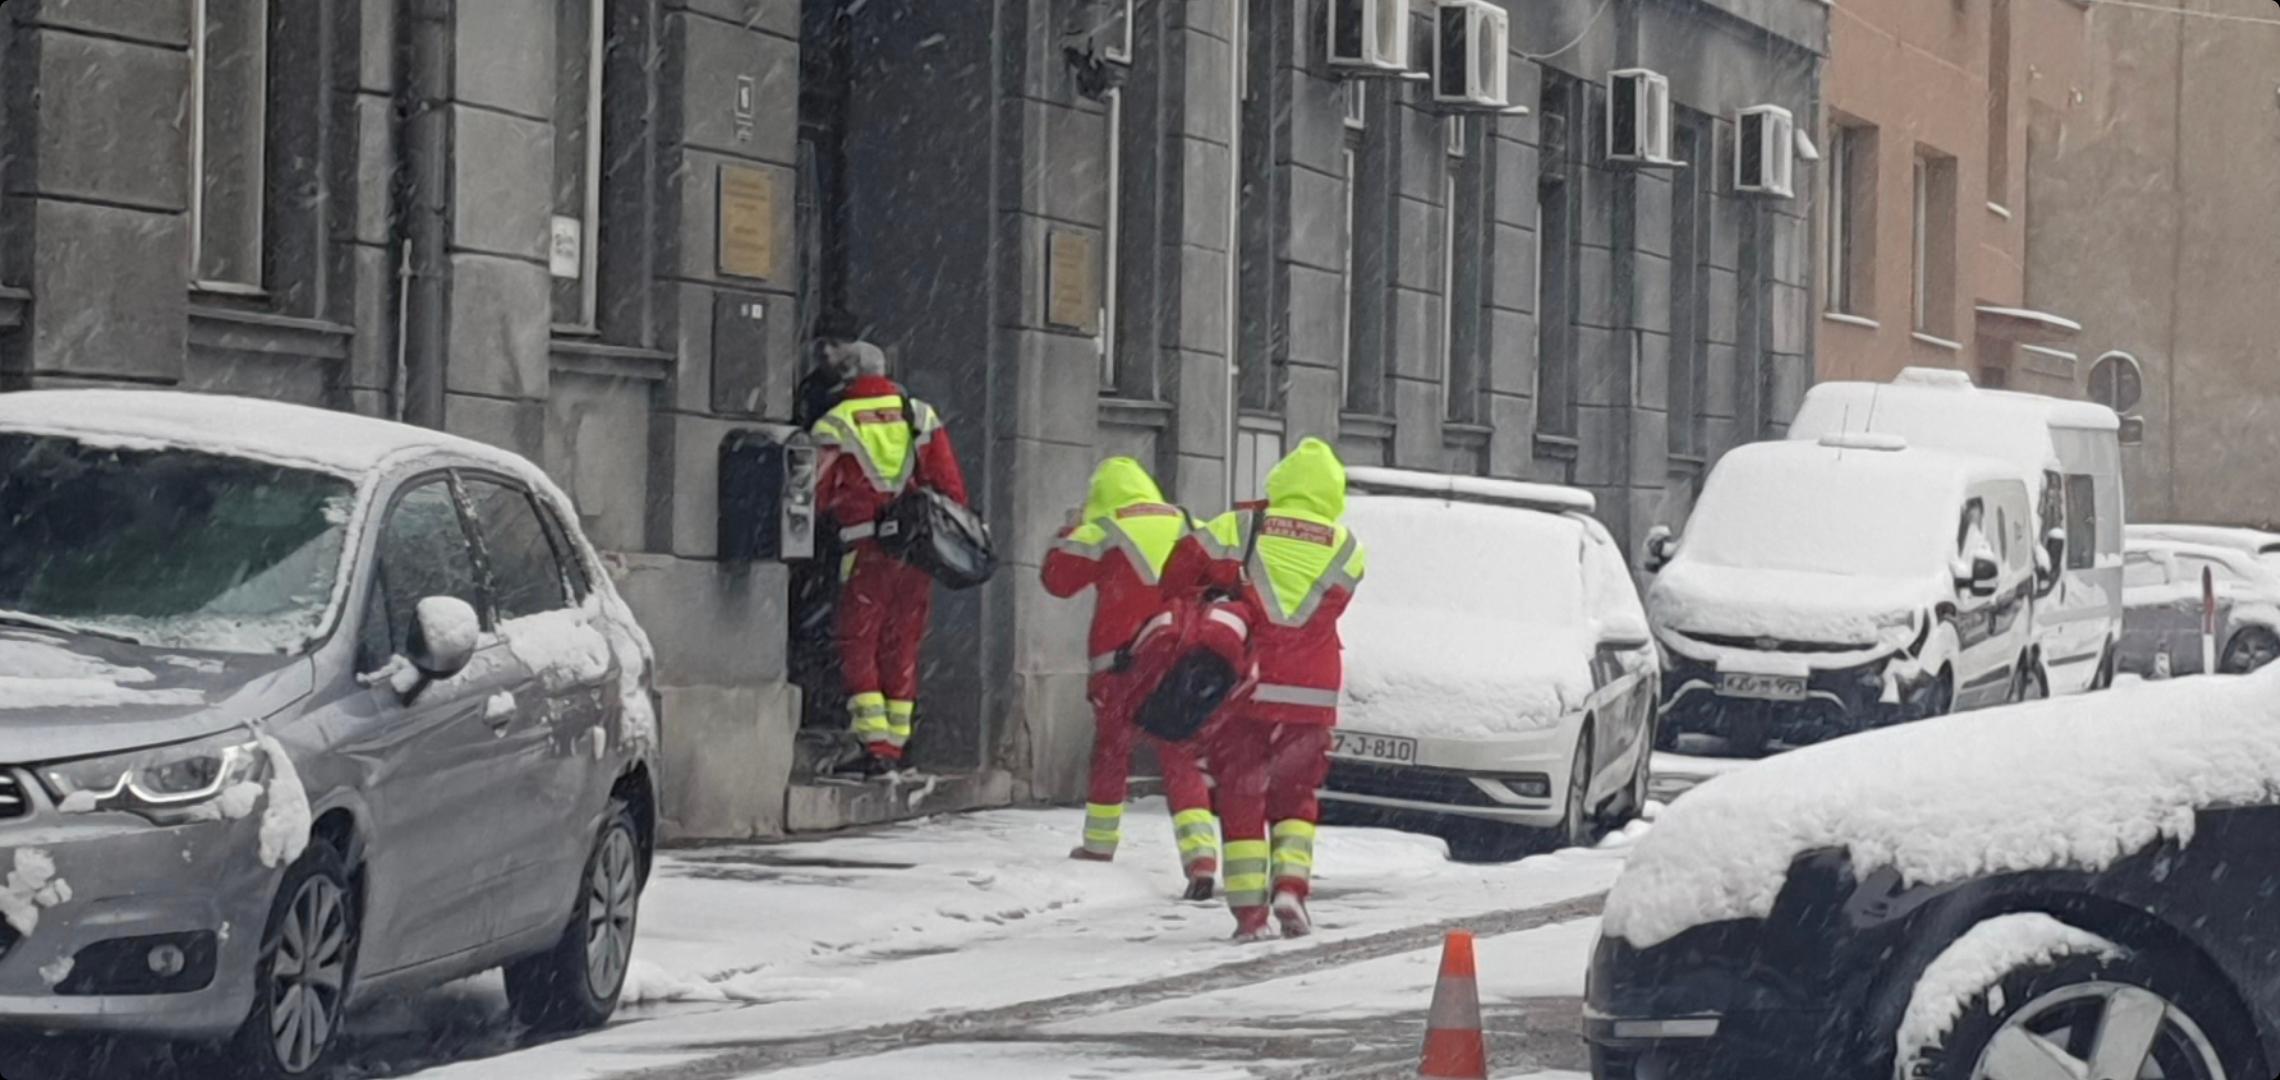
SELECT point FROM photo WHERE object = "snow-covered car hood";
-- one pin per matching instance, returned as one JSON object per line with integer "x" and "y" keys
{"x": 2077, "y": 782}
{"x": 1450, "y": 675}
{"x": 1789, "y": 605}
{"x": 63, "y": 698}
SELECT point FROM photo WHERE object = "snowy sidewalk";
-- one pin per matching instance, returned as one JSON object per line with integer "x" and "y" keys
{"x": 747, "y": 947}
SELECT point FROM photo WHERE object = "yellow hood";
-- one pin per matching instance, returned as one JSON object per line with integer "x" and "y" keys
{"x": 1311, "y": 480}
{"x": 1118, "y": 483}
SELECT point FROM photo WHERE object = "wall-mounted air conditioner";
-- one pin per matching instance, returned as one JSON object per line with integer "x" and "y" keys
{"x": 1370, "y": 37}
{"x": 1765, "y": 151}
{"x": 1471, "y": 65}
{"x": 1638, "y": 117}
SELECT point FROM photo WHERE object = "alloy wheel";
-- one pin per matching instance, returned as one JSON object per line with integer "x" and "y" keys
{"x": 2249, "y": 651}
{"x": 308, "y": 974}
{"x": 2100, "y": 1031}
{"x": 613, "y": 897}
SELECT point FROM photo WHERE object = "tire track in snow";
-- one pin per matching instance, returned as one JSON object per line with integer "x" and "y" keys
{"x": 1004, "y": 1023}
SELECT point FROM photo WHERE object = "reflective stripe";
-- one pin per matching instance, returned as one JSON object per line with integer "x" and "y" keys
{"x": 877, "y": 435}
{"x": 898, "y": 721}
{"x": 1335, "y": 573}
{"x": 1308, "y": 696}
{"x": 1294, "y": 849}
{"x": 853, "y": 533}
{"x": 1104, "y": 826}
{"x": 1230, "y": 620}
{"x": 846, "y": 567}
{"x": 1197, "y": 832}
{"x": 867, "y": 714}
{"x": 1246, "y": 875}
{"x": 1106, "y": 662}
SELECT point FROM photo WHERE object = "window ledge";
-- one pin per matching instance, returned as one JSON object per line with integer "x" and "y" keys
{"x": 267, "y": 333}
{"x": 1558, "y": 447}
{"x": 12, "y": 304}
{"x": 1861, "y": 321}
{"x": 1923, "y": 338}
{"x": 1259, "y": 420}
{"x": 1465, "y": 434}
{"x": 1366, "y": 425}
{"x": 588, "y": 357}
{"x": 1686, "y": 461}
{"x": 1999, "y": 210}
{"x": 1136, "y": 412}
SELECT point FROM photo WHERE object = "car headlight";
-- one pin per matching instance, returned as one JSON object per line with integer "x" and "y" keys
{"x": 167, "y": 780}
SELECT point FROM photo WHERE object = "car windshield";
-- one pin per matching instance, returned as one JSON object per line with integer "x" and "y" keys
{"x": 1810, "y": 513}
{"x": 169, "y": 547}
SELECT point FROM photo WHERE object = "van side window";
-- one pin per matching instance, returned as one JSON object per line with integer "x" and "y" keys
{"x": 1974, "y": 522}
{"x": 2081, "y": 521}
{"x": 2003, "y": 535}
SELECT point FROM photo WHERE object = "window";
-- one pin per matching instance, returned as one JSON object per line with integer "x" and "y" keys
{"x": 1849, "y": 261}
{"x": 1346, "y": 269}
{"x": 423, "y": 553}
{"x": 2191, "y": 567}
{"x": 1357, "y": 103}
{"x": 1689, "y": 294}
{"x": 2081, "y": 522}
{"x": 1556, "y": 254}
{"x": 1449, "y": 303}
{"x": 1999, "y": 102}
{"x": 229, "y": 80}
{"x": 1933, "y": 225}
{"x": 1259, "y": 280}
{"x": 1112, "y": 235}
{"x": 526, "y": 570}
{"x": 1464, "y": 251}
{"x": 2140, "y": 571}
{"x": 1971, "y": 532}
{"x": 1257, "y": 450}
{"x": 579, "y": 37}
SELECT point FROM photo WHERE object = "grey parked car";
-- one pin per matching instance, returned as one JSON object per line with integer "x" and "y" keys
{"x": 297, "y": 709}
{"x": 2161, "y": 623}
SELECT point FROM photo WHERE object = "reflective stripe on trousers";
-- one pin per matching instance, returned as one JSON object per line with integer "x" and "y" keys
{"x": 1104, "y": 825}
{"x": 1294, "y": 850}
{"x": 899, "y": 716}
{"x": 867, "y": 716}
{"x": 1246, "y": 873}
{"x": 1198, "y": 834}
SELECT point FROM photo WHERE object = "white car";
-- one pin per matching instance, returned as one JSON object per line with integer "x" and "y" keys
{"x": 1500, "y": 681}
{"x": 2161, "y": 592}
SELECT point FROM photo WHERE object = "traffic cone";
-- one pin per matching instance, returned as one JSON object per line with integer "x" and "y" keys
{"x": 1455, "y": 1049}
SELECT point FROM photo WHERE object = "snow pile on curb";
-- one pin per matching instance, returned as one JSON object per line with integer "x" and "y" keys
{"x": 2075, "y": 782}
{"x": 1976, "y": 965}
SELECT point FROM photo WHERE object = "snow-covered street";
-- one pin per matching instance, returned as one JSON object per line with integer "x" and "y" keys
{"x": 971, "y": 945}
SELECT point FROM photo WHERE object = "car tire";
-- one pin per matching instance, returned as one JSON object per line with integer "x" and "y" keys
{"x": 2202, "y": 1032}
{"x": 300, "y": 985}
{"x": 2029, "y": 682}
{"x": 575, "y": 985}
{"x": 1482, "y": 842}
{"x": 2104, "y": 679}
{"x": 2249, "y": 650}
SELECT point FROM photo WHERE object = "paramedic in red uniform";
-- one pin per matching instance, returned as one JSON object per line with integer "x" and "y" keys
{"x": 1271, "y": 749}
{"x": 874, "y": 451}
{"x": 1118, "y": 548}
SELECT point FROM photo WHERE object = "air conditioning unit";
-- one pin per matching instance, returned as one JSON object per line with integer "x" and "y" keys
{"x": 1638, "y": 117}
{"x": 1471, "y": 68}
{"x": 1370, "y": 37}
{"x": 1765, "y": 151}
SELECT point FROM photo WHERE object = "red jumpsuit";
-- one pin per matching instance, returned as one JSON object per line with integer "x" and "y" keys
{"x": 1271, "y": 750}
{"x": 1118, "y": 551}
{"x": 872, "y": 454}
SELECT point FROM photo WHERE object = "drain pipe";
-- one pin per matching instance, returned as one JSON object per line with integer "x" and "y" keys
{"x": 423, "y": 205}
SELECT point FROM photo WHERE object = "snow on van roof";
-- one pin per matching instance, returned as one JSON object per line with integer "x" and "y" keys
{"x": 292, "y": 435}
{"x": 1470, "y": 488}
{"x": 2106, "y": 775}
{"x": 1932, "y": 407}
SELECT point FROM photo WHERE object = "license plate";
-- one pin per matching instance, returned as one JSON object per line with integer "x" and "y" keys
{"x": 1743, "y": 684}
{"x": 1361, "y": 747}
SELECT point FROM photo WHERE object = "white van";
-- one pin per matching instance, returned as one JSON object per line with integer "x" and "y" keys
{"x": 2070, "y": 454}
{"x": 1822, "y": 588}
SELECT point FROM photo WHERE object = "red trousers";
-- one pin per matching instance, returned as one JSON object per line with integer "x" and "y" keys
{"x": 883, "y": 608}
{"x": 1114, "y": 702}
{"x": 1269, "y": 773}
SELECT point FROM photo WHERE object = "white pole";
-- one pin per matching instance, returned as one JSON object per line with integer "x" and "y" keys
{"x": 2208, "y": 621}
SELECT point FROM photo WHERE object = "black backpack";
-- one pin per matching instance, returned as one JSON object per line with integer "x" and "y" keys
{"x": 929, "y": 530}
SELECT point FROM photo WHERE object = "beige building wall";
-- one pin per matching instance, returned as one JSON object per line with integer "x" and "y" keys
{"x": 2158, "y": 219}
{"x": 1950, "y": 86}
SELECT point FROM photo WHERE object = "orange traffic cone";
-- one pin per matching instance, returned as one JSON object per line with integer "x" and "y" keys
{"x": 1455, "y": 1049}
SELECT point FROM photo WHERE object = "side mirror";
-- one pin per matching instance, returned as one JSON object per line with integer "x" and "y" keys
{"x": 1624, "y": 633}
{"x": 2054, "y": 541}
{"x": 444, "y": 633}
{"x": 1662, "y": 546}
{"x": 1984, "y": 571}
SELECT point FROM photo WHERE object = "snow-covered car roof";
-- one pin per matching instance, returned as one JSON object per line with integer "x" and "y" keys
{"x": 2246, "y": 540}
{"x": 2072, "y": 783}
{"x": 1471, "y": 488}
{"x": 1951, "y": 413}
{"x": 270, "y": 431}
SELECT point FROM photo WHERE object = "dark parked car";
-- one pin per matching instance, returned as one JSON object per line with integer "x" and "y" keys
{"x": 299, "y": 709}
{"x": 2085, "y": 888}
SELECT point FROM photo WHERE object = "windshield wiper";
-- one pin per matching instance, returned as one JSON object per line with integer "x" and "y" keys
{"x": 35, "y": 622}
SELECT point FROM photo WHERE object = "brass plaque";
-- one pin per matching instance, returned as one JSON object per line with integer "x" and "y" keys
{"x": 1072, "y": 281}
{"x": 747, "y": 222}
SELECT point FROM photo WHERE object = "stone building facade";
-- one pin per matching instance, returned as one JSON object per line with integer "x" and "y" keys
{"x": 596, "y": 231}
